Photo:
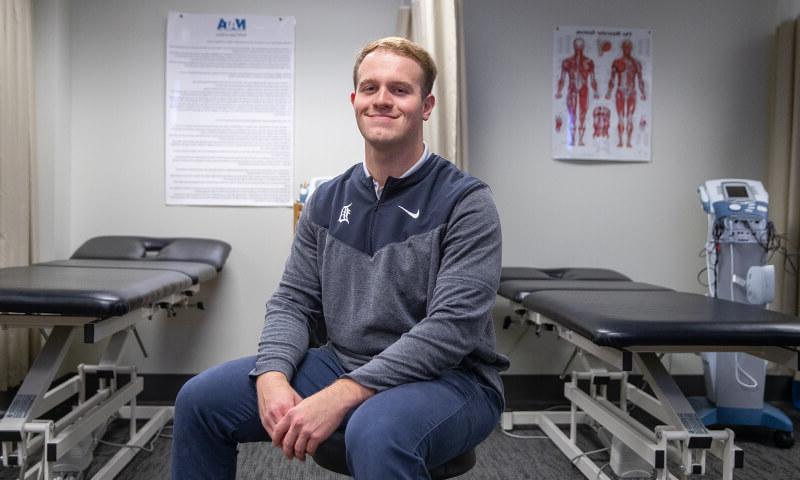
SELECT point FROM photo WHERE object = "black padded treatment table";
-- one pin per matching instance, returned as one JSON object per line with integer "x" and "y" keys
{"x": 570, "y": 273}
{"x": 518, "y": 282}
{"x": 109, "y": 285}
{"x": 625, "y": 326}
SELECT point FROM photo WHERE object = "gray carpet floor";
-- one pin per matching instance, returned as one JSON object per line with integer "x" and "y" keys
{"x": 500, "y": 457}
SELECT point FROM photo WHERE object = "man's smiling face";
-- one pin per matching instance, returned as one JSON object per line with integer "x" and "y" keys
{"x": 388, "y": 101}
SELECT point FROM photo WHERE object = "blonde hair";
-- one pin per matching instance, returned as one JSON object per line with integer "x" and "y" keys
{"x": 405, "y": 48}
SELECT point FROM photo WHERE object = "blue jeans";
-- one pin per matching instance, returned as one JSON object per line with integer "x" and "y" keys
{"x": 396, "y": 434}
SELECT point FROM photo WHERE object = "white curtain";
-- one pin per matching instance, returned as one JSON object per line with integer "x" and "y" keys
{"x": 17, "y": 172}
{"x": 783, "y": 165}
{"x": 437, "y": 25}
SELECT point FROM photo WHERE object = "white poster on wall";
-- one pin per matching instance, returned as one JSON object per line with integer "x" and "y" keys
{"x": 602, "y": 91}
{"x": 229, "y": 110}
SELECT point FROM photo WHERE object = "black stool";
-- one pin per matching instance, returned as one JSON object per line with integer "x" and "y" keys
{"x": 331, "y": 455}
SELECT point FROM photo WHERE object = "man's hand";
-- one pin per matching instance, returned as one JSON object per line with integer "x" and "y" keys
{"x": 314, "y": 419}
{"x": 275, "y": 397}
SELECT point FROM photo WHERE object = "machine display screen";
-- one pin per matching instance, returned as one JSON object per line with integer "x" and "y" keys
{"x": 736, "y": 191}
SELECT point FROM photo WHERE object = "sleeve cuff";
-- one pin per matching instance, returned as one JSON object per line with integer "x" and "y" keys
{"x": 365, "y": 380}
{"x": 273, "y": 365}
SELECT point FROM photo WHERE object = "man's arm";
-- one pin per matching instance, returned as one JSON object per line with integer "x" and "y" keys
{"x": 291, "y": 312}
{"x": 295, "y": 307}
{"x": 459, "y": 308}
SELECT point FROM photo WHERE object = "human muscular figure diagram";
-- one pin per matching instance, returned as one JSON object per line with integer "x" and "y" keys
{"x": 626, "y": 72}
{"x": 579, "y": 69}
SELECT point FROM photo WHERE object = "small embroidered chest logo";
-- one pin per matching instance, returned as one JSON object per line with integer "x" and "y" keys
{"x": 413, "y": 215}
{"x": 344, "y": 215}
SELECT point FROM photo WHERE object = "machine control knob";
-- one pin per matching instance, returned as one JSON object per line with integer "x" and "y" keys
{"x": 735, "y": 207}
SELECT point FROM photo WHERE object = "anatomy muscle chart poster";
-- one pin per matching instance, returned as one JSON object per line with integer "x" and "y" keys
{"x": 229, "y": 110}
{"x": 602, "y": 91}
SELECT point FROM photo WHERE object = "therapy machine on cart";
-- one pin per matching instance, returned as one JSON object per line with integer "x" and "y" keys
{"x": 739, "y": 238}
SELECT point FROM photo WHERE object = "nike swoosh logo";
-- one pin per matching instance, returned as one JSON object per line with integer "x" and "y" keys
{"x": 413, "y": 215}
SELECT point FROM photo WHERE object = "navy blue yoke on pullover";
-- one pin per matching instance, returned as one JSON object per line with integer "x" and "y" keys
{"x": 404, "y": 283}
{"x": 431, "y": 192}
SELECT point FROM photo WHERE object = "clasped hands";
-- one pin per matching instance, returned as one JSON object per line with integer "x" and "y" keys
{"x": 297, "y": 426}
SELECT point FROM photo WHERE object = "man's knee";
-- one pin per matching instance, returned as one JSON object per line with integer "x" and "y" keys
{"x": 378, "y": 447}
{"x": 370, "y": 434}
{"x": 193, "y": 397}
{"x": 213, "y": 389}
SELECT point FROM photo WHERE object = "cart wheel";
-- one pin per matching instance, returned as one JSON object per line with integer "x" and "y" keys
{"x": 783, "y": 439}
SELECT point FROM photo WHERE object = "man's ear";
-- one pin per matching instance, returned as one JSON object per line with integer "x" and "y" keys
{"x": 427, "y": 106}
{"x": 352, "y": 97}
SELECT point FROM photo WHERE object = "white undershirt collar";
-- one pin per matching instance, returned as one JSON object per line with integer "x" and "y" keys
{"x": 414, "y": 168}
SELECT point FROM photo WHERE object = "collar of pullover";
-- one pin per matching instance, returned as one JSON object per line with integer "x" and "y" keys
{"x": 392, "y": 185}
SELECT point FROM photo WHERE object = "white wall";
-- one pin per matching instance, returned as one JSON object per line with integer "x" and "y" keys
{"x": 786, "y": 9}
{"x": 115, "y": 86}
{"x": 53, "y": 110}
{"x": 100, "y": 70}
{"x": 711, "y": 63}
